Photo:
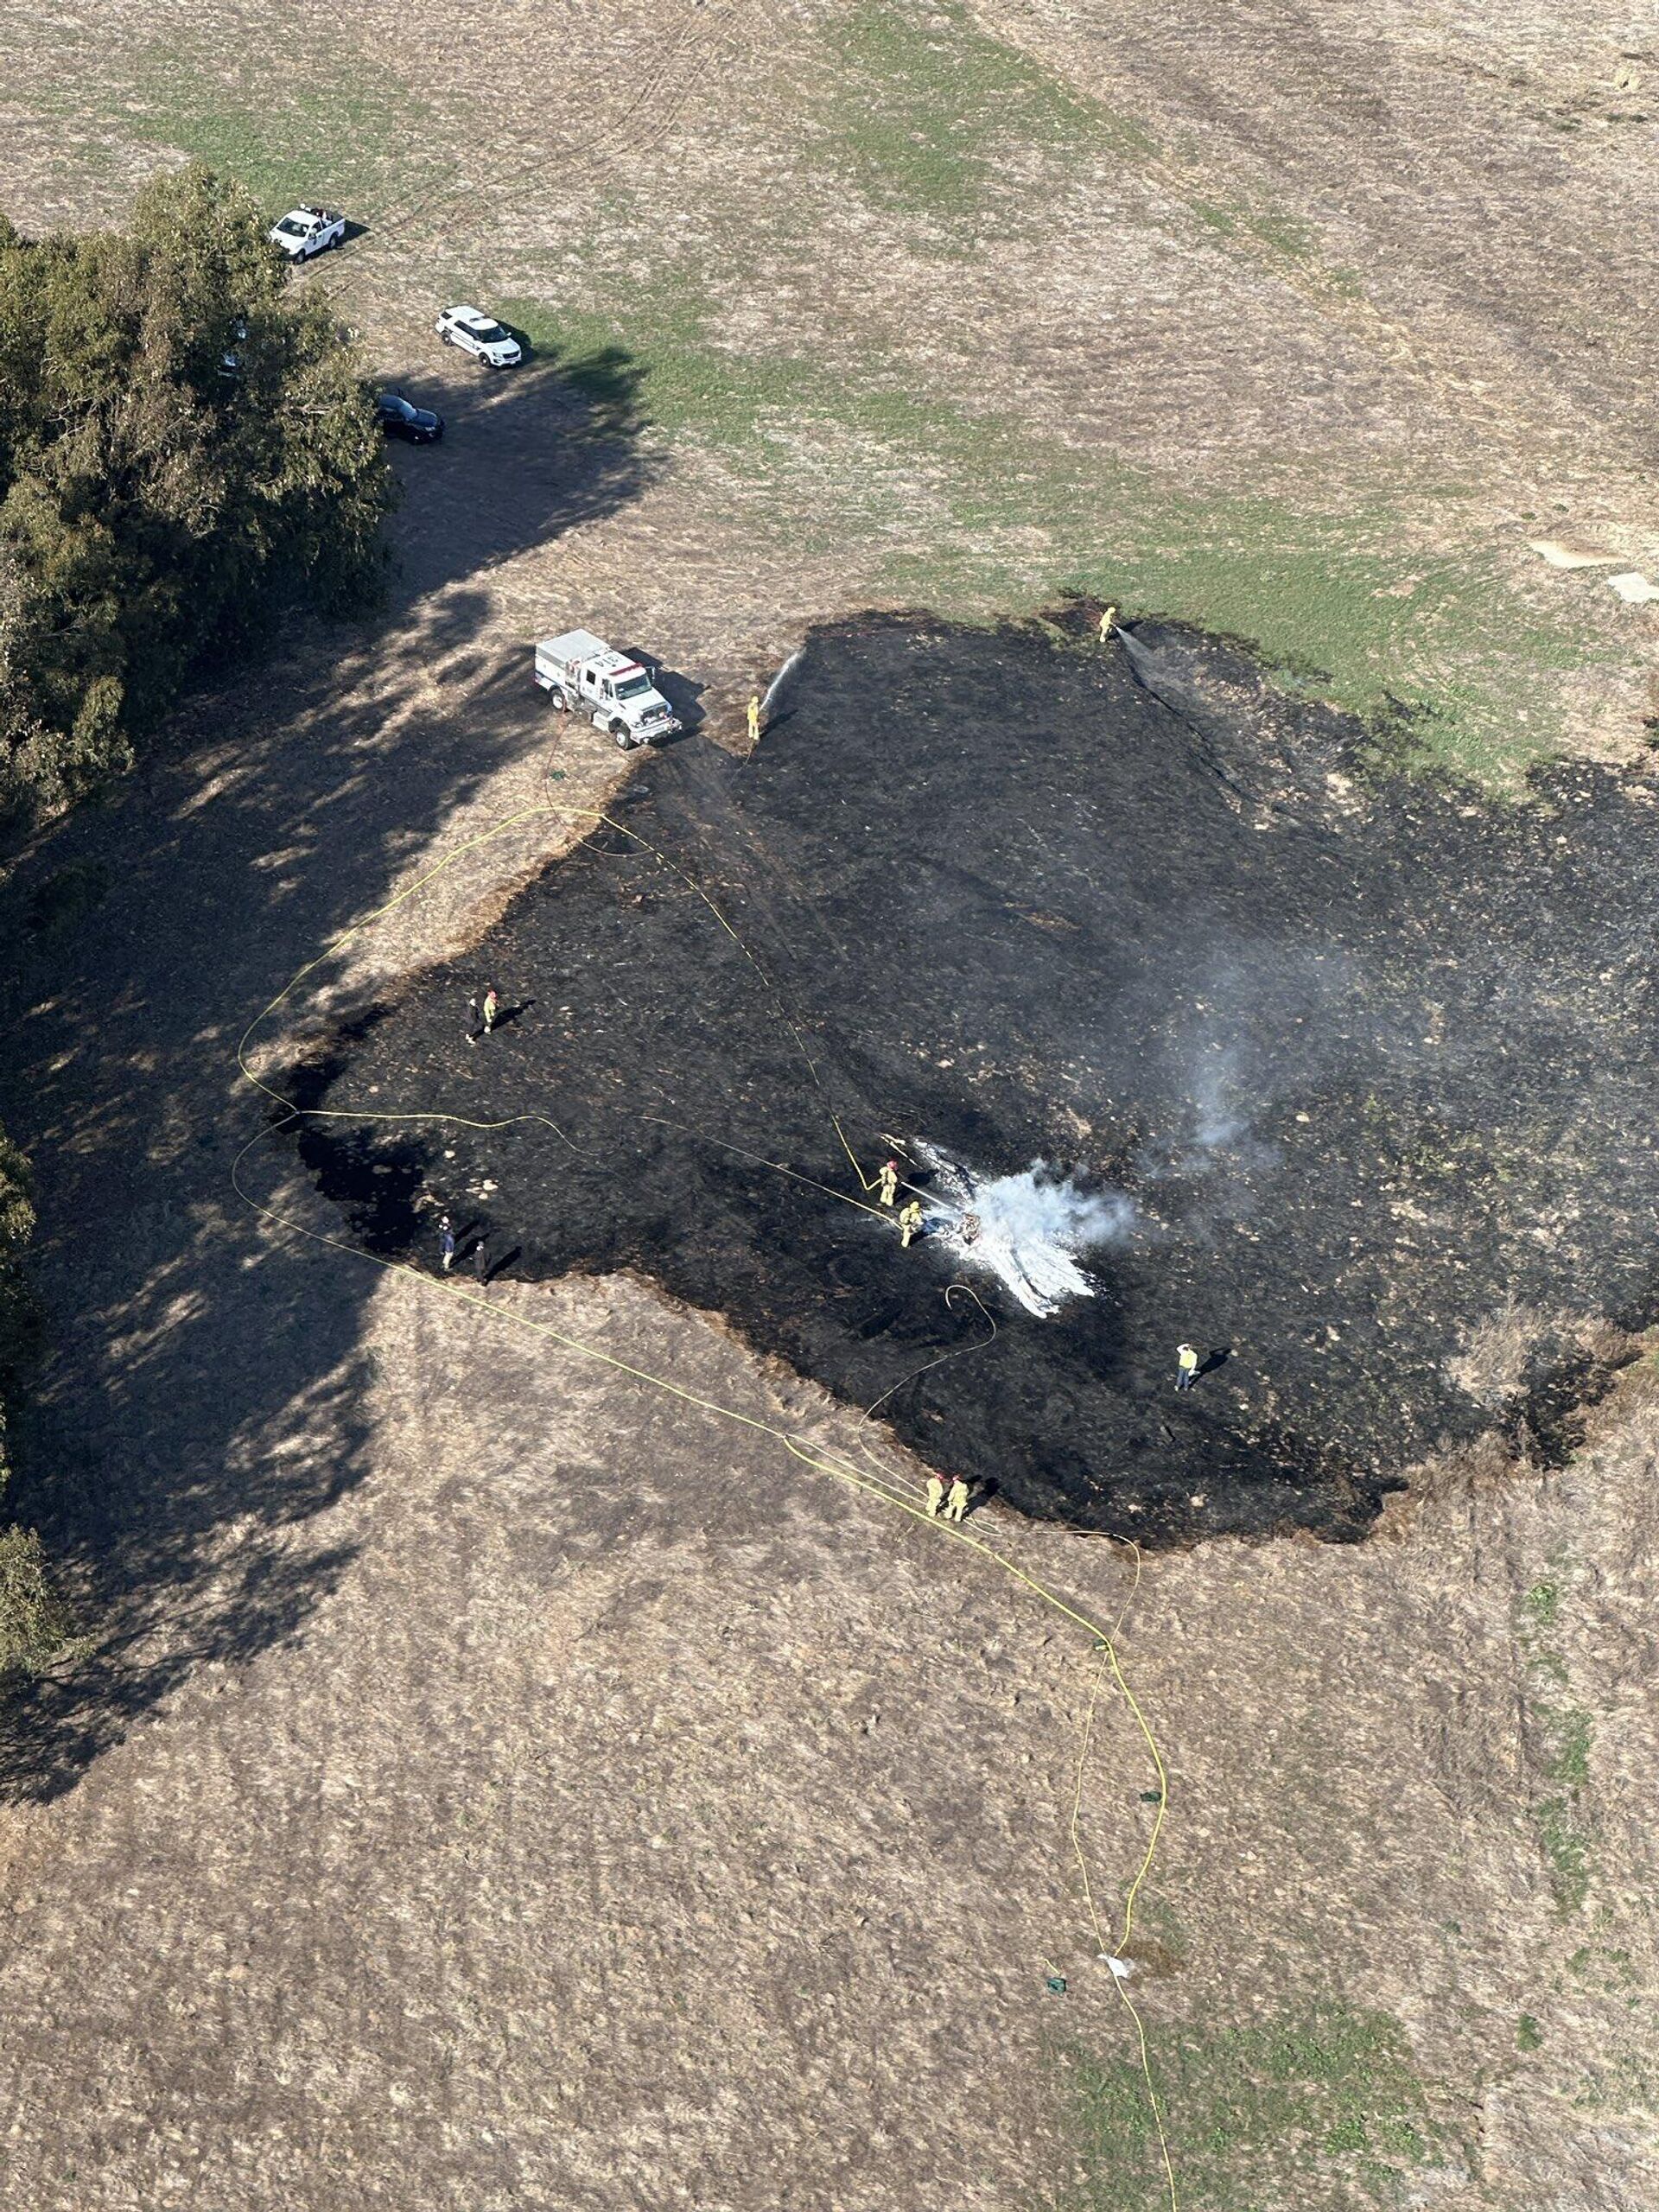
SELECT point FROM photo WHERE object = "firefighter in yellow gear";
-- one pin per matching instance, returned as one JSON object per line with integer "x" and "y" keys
{"x": 910, "y": 1222}
{"x": 888, "y": 1191}
{"x": 935, "y": 1495}
{"x": 957, "y": 1504}
{"x": 1109, "y": 615}
{"x": 754, "y": 716}
{"x": 1186, "y": 1366}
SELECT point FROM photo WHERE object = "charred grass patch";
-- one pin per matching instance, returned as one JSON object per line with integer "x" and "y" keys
{"x": 1126, "y": 931}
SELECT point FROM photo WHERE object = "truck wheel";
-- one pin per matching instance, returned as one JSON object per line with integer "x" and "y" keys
{"x": 619, "y": 732}
{"x": 560, "y": 704}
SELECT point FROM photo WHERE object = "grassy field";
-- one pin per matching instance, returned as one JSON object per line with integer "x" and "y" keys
{"x": 971, "y": 511}
{"x": 958, "y": 327}
{"x": 361, "y": 129}
{"x": 921, "y": 115}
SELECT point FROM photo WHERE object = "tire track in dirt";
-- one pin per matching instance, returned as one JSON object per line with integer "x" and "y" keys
{"x": 709, "y": 34}
{"x": 1191, "y": 185}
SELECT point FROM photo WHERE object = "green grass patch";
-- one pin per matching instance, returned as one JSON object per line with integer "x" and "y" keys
{"x": 1562, "y": 1736}
{"x": 1569, "y": 1755}
{"x": 326, "y": 126}
{"x": 922, "y": 105}
{"x": 1606, "y": 1966}
{"x": 1543, "y": 1603}
{"x": 1564, "y": 1836}
{"x": 968, "y": 512}
{"x": 1325, "y": 2107}
{"x": 1286, "y": 234}
{"x": 1528, "y": 2035}
{"x": 657, "y": 368}
{"x": 1618, "y": 2082}
{"x": 333, "y": 138}
{"x": 1224, "y": 221}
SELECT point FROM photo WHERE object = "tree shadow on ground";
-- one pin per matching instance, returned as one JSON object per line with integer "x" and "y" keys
{"x": 526, "y": 453}
{"x": 203, "y": 1404}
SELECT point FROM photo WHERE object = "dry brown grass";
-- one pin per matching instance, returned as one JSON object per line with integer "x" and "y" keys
{"x": 644, "y": 1818}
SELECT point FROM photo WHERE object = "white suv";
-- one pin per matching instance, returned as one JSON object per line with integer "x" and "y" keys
{"x": 477, "y": 334}
{"x": 305, "y": 231}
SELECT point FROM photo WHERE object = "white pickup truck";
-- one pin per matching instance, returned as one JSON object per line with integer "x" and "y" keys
{"x": 305, "y": 231}
{"x": 619, "y": 695}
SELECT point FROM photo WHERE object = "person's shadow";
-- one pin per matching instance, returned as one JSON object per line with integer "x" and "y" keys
{"x": 1213, "y": 1360}
{"x": 506, "y": 1015}
{"x": 489, "y": 1265}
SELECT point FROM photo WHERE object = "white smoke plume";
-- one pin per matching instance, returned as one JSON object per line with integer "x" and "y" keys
{"x": 1214, "y": 1135}
{"x": 1033, "y": 1227}
{"x": 1218, "y": 1117}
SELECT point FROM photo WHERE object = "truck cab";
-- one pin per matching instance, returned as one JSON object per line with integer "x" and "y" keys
{"x": 619, "y": 693}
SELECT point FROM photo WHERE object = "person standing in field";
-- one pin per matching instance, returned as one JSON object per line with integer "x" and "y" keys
{"x": 446, "y": 1242}
{"x": 935, "y": 1495}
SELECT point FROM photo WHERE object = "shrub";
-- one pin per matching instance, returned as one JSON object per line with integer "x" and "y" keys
{"x": 33, "y": 1622}
{"x": 183, "y": 450}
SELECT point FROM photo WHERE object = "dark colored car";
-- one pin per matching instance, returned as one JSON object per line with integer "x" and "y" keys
{"x": 400, "y": 419}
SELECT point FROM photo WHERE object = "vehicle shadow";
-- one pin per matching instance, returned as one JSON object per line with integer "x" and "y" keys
{"x": 684, "y": 695}
{"x": 203, "y": 1404}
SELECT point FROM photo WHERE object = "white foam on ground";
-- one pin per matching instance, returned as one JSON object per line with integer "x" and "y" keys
{"x": 1033, "y": 1227}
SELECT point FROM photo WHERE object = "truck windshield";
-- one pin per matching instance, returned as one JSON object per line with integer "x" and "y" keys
{"x": 633, "y": 687}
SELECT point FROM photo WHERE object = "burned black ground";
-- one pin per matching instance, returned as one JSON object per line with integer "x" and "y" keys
{"x": 1374, "y": 1063}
